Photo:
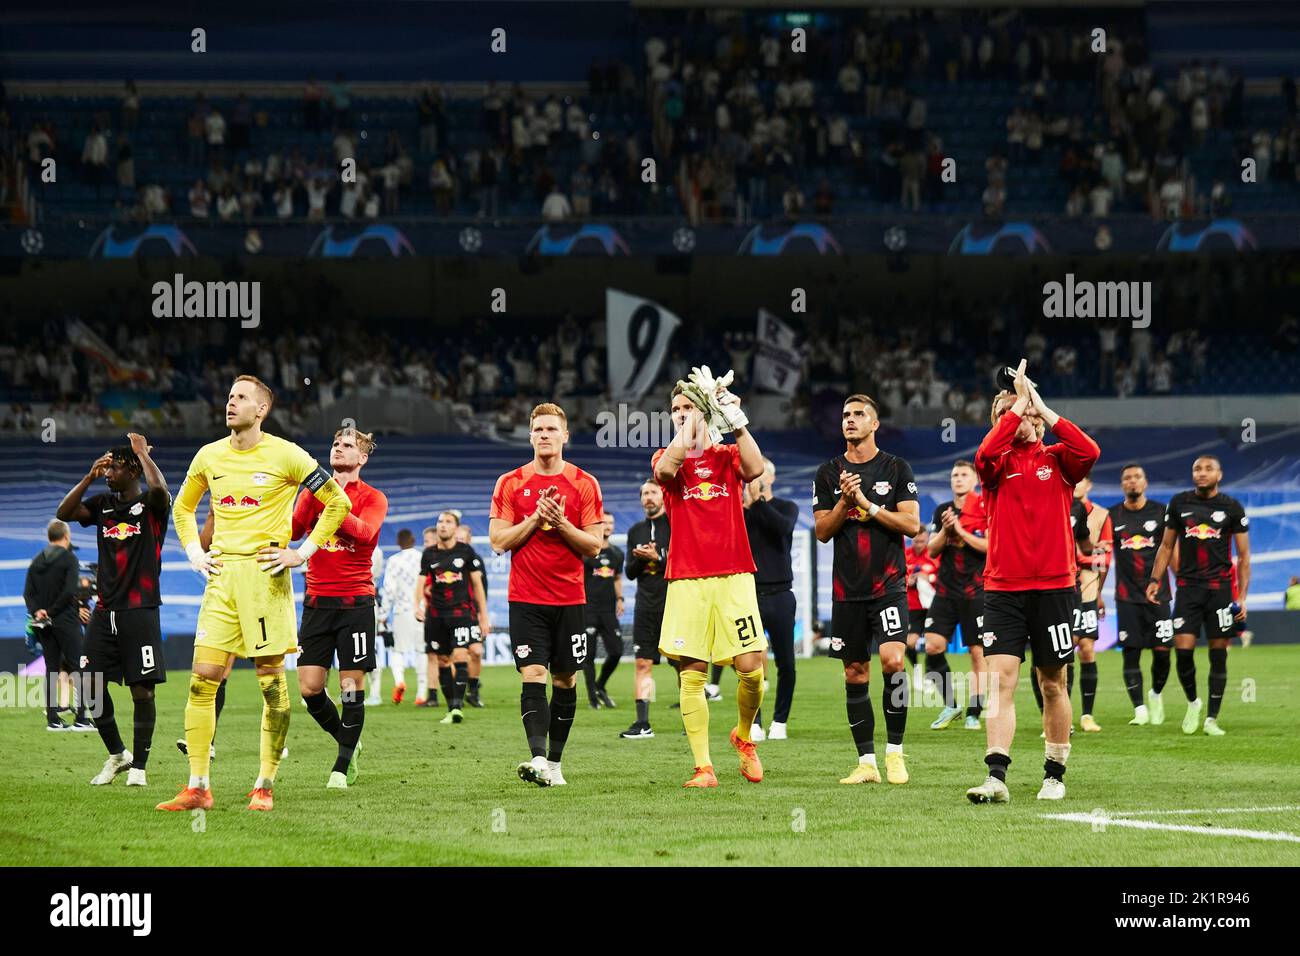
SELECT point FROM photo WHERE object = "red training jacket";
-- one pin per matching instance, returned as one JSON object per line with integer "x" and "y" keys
{"x": 1028, "y": 490}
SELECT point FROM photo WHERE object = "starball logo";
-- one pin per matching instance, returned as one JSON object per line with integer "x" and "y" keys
{"x": 179, "y": 299}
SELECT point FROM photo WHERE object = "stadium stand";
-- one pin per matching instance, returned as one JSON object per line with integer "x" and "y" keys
{"x": 1039, "y": 125}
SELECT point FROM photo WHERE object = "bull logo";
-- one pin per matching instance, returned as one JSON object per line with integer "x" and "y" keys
{"x": 706, "y": 491}
{"x": 121, "y": 531}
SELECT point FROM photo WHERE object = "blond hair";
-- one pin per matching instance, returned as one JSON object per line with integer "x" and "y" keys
{"x": 264, "y": 390}
{"x": 994, "y": 412}
{"x": 365, "y": 440}
{"x": 549, "y": 408}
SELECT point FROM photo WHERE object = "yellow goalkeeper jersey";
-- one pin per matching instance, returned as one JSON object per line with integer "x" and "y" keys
{"x": 253, "y": 494}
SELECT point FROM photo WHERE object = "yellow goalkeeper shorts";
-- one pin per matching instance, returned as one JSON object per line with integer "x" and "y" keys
{"x": 712, "y": 619}
{"x": 247, "y": 611}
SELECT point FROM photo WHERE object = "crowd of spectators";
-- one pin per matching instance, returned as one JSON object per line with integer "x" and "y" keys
{"x": 742, "y": 128}
{"x": 753, "y": 126}
{"x": 539, "y": 152}
{"x": 934, "y": 361}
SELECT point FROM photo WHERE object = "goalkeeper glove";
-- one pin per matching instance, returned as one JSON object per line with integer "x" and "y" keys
{"x": 701, "y": 400}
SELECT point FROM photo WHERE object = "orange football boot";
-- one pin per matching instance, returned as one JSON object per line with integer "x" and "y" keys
{"x": 751, "y": 768}
{"x": 191, "y": 798}
{"x": 703, "y": 777}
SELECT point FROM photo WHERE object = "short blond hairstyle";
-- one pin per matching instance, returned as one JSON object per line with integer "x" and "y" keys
{"x": 994, "y": 411}
{"x": 264, "y": 390}
{"x": 549, "y": 408}
{"x": 365, "y": 440}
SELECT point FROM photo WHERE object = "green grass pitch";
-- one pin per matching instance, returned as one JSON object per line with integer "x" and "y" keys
{"x": 435, "y": 795}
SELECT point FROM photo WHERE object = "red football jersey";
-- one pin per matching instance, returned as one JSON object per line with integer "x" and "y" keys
{"x": 706, "y": 516}
{"x": 545, "y": 570}
{"x": 974, "y": 517}
{"x": 341, "y": 568}
{"x": 918, "y": 565}
{"x": 1028, "y": 492}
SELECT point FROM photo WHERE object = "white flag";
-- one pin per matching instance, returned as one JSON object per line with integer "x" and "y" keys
{"x": 776, "y": 359}
{"x": 637, "y": 333}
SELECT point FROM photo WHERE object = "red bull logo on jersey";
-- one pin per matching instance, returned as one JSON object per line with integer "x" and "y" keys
{"x": 247, "y": 501}
{"x": 858, "y": 514}
{"x": 1203, "y": 531}
{"x": 447, "y": 577}
{"x": 121, "y": 531}
{"x": 338, "y": 544}
{"x": 603, "y": 572}
{"x": 227, "y": 501}
{"x": 1138, "y": 542}
{"x": 706, "y": 491}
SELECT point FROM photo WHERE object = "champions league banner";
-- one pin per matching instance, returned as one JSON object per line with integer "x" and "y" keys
{"x": 620, "y": 238}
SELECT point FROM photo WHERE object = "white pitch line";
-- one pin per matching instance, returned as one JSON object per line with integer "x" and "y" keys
{"x": 1152, "y": 813}
{"x": 1275, "y": 836}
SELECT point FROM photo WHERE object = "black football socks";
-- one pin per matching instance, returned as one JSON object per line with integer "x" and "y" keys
{"x": 564, "y": 704}
{"x": 1218, "y": 679}
{"x": 1133, "y": 675}
{"x": 535, "y": 711}
{"x": 1186, "y": 663}
{"x": 862, "y": 721}
{"x": 1088, "y": 684}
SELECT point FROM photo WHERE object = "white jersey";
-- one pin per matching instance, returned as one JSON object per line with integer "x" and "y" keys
{"x": 400, "y": 575}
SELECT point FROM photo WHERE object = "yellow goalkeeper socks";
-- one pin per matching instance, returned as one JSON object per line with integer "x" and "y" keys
{"x": 200, "y": 727}
{"x": 275, "y": 723}
{"x": 749, "y": 697}
{"x": 695, "y": 715}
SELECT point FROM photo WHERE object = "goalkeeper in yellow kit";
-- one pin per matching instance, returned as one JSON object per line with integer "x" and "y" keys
{"x": 247, "y": 608}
